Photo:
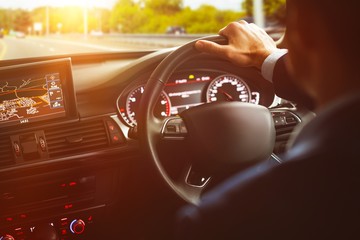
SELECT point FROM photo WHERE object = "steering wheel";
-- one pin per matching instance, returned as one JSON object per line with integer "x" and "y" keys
{"x": 225, "y": 134}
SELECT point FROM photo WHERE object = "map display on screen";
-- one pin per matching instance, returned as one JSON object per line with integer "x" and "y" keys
{"x": 39, "y": 96}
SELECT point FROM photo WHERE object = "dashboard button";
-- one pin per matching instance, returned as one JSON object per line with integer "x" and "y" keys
{"x": 42, "y": 143}
{"x": 111, "y": 126}
{"x": 175, "y": 128}
{"x": 7, "y": 237}
{"x": 116, "y": 138}
{"x": 171, "y": 129}
{"x": 77, "y": 226}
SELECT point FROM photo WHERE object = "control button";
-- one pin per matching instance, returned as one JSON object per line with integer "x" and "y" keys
{"x": 171, "y": 129}
{"x": 64, "y": 222}
{"x": 9, "y": 219}
{"x": 7, "y": 237}
{"x": 175, "y": 128}
{"x": 279, "y": 121}
{"x": 111, "y": 126}
{"x": 72, "y": 184}
{"x": 116, "y": 138}
{"x": 284, "y": 118}
{"x": 90, "y": 219}
{"x": 77, "y": 226}
{"x": 68, "y": 206}
{"x": 63, "y": 231}
{"x": 19, "y": 233}
{"x": 42, "y": 143}
{"x": 290, "y": 120}
{"x": 22, "y": 217}
{"x": 17, "y": 150}
{"x": 115, "y": 133}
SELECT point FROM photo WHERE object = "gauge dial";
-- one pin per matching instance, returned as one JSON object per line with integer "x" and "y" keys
{"x": 162, "y": 107}
{"x": 228, "y": 88}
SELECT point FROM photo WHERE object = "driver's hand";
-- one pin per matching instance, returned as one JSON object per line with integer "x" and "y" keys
{"x": 249, "y": 45}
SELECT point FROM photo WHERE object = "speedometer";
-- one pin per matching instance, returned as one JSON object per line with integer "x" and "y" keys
{"x": 162, "y": 107}
{"x": 228, "y": 88}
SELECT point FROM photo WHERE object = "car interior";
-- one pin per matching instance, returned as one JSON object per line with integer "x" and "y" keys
{"x": 111, "y": 145}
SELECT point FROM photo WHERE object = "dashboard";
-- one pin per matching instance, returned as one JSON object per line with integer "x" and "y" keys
{"x": 66, "y": 158}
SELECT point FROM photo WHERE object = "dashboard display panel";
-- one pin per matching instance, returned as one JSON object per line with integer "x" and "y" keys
{"x": 35, "y": 92}
{"x": 190, "y": 88}
{"x": 186, "y": 90}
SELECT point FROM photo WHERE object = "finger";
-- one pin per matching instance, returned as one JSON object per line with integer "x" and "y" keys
{"x": 210, "y": 47}
{"x": 222, "y": 32}
{"x": 231, "y": 27}
{"x": 261, "y": 34}
{"x": 234, "y": 29}
{"x": 257, "y": 28}
{"x": 243, "y": 22}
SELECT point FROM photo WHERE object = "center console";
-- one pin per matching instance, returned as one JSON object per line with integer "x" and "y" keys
{"x": 69, "y": 207}
{"x": 48, "y": 188}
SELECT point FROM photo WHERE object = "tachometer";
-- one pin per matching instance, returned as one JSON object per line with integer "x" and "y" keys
{"x": 228, "y": 88}
{"x": 162, "y": 108}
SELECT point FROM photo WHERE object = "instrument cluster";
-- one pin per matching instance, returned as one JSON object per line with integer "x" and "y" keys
{"x": 188, "y": 89}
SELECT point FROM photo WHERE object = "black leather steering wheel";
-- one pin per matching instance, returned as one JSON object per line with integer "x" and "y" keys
{"x": 245, "y": 131}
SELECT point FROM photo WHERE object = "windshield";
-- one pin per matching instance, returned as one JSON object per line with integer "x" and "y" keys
{"x": 48, "y": 27}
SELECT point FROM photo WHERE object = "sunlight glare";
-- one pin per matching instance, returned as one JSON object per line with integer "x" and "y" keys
{"x": 57, "y": 3}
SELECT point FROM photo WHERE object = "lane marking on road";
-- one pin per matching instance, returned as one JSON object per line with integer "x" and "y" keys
{"x": 3, "y": 48}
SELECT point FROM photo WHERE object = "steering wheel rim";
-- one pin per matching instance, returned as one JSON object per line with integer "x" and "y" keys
{"x": 150, "y": 126}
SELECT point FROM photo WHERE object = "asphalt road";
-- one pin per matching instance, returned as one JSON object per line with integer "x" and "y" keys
{"x": 30, "y": 46}
{"x": 12, "y": 48}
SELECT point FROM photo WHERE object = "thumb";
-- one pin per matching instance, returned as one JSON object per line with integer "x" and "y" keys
{"x": 211, "y": 47}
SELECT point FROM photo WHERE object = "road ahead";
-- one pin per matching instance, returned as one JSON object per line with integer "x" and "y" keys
{"x": 11, "y": 48}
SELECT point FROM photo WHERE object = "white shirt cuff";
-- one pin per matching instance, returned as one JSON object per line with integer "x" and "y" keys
{"x": 267, "y": 68}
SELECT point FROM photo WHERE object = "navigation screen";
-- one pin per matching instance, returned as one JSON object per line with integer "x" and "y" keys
{"x": 38, "y": 96}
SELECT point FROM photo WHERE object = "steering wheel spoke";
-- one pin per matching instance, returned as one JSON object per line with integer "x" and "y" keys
{"x": 196, "y": 179}
{"x": 192, "y": 184}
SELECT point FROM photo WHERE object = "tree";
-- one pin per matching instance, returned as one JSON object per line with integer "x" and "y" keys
{"x": 167, "y": 7}
{"x": 6, "y": 19}
{"x": 155, "y": 16}
{"x": 22, "y": 21}
{"x": 206, "y": 19}
{"x": 272, "y": 8}
{"x": 127, "y": 16}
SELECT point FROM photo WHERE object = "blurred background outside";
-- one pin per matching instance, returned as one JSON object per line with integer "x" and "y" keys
{"x": 37, "y": 28}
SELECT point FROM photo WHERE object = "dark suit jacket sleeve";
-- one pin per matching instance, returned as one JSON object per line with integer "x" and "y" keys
{"x": 286, "y": 88}
{"x": 248, "y": 206}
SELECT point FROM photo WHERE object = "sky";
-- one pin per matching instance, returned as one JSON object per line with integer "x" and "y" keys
{"x": 30, "y": 4}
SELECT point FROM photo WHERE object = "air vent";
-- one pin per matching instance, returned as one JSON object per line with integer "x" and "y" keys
{"x": 6, "y": 154}
{"x": 285, "y": 122}
{"x": 76, "y": 138}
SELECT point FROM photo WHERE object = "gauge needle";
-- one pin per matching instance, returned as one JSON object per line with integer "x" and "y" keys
{"x": 228, "y": 97}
